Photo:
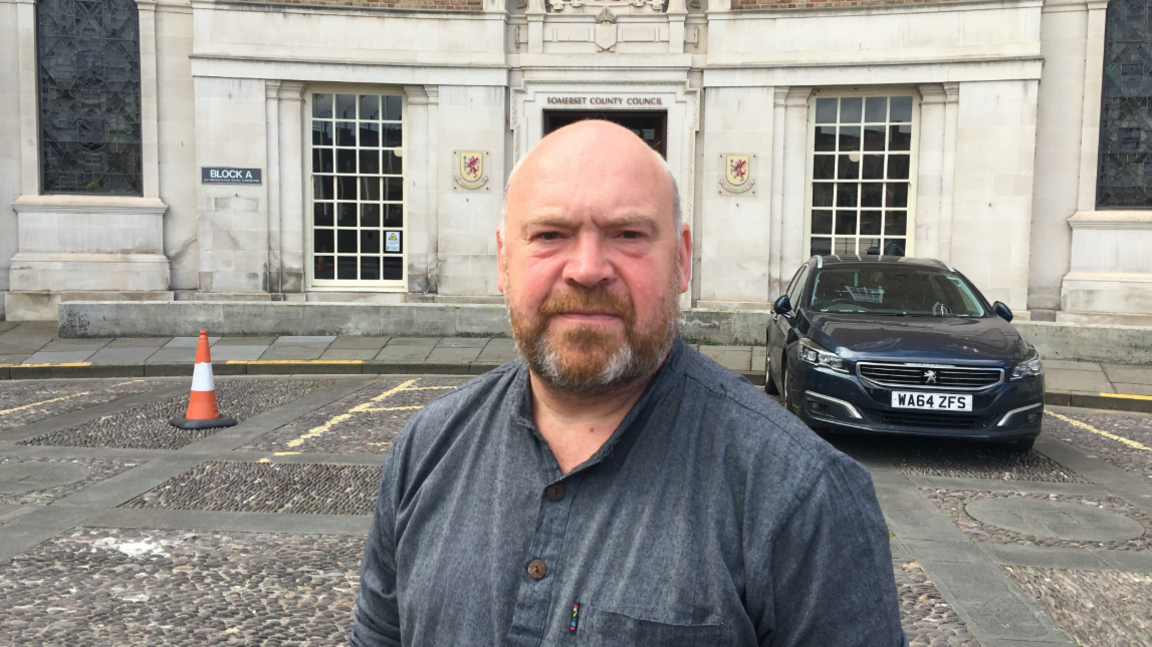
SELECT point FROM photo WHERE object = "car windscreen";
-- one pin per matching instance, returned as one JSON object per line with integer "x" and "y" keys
{"x": 905, "y": 290}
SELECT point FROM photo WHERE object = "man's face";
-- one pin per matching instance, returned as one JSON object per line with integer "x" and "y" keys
{"x": 591, "y": 264}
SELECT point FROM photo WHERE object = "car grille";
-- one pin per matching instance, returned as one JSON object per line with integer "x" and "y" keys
{"x": 930, "y": 377}
{"x": 925, "y": 419}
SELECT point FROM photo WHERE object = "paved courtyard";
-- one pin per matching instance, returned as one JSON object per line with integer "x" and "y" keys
{"x": 118, "y": 529}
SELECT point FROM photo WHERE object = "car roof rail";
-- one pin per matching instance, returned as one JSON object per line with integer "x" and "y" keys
{"x": 819, "y": 262}
{"x": 946, "y": 265}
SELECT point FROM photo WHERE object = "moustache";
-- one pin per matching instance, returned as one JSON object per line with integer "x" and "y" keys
{"x": 597, "y": 300}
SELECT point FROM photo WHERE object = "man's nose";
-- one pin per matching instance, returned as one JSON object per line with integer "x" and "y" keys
{"x": 588, "y": 264}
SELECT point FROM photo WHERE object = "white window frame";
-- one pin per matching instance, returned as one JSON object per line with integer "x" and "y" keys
{"x": 913, "y": 162}
{"x": 357, "y": 285}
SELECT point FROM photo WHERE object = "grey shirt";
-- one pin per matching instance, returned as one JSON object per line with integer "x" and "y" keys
{"x": 710, "y": 517}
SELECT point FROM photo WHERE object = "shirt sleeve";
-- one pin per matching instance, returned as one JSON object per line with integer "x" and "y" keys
{"x": 829, "y": 568}
{"x": 377, "y": 614}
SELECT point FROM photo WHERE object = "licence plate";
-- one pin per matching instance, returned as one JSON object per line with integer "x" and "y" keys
{"x": 931, "y": 401}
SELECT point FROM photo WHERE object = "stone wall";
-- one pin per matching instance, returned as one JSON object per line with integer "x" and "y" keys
{"x": 740, "y": 5}
{"x": 442, "y": 5}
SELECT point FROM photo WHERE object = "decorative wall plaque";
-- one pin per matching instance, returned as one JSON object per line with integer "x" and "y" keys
{"x": 470, "y": 169}
{"x": 737, "y": 173}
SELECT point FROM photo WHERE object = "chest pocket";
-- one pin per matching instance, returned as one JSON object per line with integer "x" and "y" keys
{"x": 600, "y": 628}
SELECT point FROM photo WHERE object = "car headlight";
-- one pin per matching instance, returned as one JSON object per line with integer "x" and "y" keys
{"x": 817, "y": 356}
{"x": 1030, "y": 367}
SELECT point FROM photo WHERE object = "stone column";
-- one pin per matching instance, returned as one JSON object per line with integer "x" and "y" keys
{"x": 535, "y": 14}
{"x": 29, "y": 134}
{"x": 272, "y": 114}
{"x": 149, "y": 112}
{"x": 777, "y": 279}
{"x": 948, "y": 168}
{"x": 421, "y": 150}
{"x": 292, "y": 193}
{"x": 930, "y": 171}
{"x": 1093, "y": 87}
{"x": 677, "y": 13}
{"x": 793, "y": 182}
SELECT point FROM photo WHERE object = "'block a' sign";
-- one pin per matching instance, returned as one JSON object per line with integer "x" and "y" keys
{"x": 222, "y": 175}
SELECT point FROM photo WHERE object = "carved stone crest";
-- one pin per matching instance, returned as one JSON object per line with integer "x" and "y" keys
{"x": 606, "y": 30}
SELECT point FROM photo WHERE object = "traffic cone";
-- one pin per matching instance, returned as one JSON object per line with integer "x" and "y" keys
{"x": 202, "y": 412}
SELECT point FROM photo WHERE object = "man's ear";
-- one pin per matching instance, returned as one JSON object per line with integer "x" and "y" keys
{"x": 684, "y": 250}
{"x": 499, "y": 262}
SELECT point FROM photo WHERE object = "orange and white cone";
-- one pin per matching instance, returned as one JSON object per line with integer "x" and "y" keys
{"x": 202, "y": 412}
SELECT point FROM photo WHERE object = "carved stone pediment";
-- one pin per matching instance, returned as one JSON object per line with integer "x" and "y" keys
{"x": 616, "y": 6}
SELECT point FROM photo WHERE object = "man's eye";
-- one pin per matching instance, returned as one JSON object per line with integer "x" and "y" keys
{"x": 548, "y": 235}
{"x": 630, "y": 235}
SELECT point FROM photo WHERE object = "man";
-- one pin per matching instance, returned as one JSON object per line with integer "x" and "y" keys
{"x": 613, "y": 486}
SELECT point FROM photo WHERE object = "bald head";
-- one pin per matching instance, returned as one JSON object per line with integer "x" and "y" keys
{"x": 589, "y": 149}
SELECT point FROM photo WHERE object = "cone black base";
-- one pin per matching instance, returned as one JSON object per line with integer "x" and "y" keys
{"x": 185, "y": 423}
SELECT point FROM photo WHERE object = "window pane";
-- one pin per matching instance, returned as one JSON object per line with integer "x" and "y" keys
{"x": 322, "y": 187}
{"x": 874, "y": 138}
{"x": 844, "y": 246}
{"x": 392, "y": 135}
{"x": 323, "y": 213}
{"x": 896, "y": 223}
{"x": 393, "y": 215}
{"x": 826, "y": 111}
{"x": 898, "y": 167}
{"x": 369, "y": 135}
{"x": 821, "y": 222}
{"x": 846, "y": 223}
{"x": 899, "y": 138}
{"x": 322, "y": 160}
{"x": 369, "y": 242}
{"x": 850, "y": 138}
{"x": 825, "y": 138}
{"x": 392, "y": 108}
{"x": 901, "y": 109}
{"x": 1124, "y": 167}
{"x": 324, "y": 240}
{"x": 370, "y": 188}
{"x": 369, "y": 268}
{"x": 393, "y": 163}
{"x": 345, "y": 133}
{"x": 393, "y": 188}
{"x": 345, "y": 160}
{"x": 870, "y": 223}
{"x": 370, "y": 107}
{"x": 392, "y": 268}
{"x": 369, "y": 215}
{"x": 346, "y": 267}
{"x": 848, "y": 169}
{"x": 369, "y": 162}
{"x": 823, "y": 167}
{"x": 869, "y": 246}
{"x": 872, "y": 194}
{"x": 850, "y": 110}
{"x": 846, "y": 195}
{"x": 822, "y": 194}
{"x": 894, "y": 247}
{"x": 346, "y": 241}
{"x": 896, "y": 195}
{"x": 345, "y": 188}
{"x": 324, "y": 266}
{"x": 346, "y": 214}
{"x": 345, "y": 106}
{"x": 821, "y": 246}
{"x": 322, "y": 133}
{"x": 873, "y": 168}
{"x": 876, "y": 109}
{"x": 321, "y": 106}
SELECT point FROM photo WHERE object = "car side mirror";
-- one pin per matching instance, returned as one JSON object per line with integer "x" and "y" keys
{"x": 1002, "y": 311}
{"x": 782, "y": 305}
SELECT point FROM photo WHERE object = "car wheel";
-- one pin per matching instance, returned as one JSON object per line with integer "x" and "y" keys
{"x": 786, "y": 389}
{"x": 769, "y": 384}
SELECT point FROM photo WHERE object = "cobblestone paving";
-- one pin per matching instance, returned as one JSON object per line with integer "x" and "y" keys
{"x": 1138, "y": 428}
{"x": 99, "y": 469}
{"x": 968, "y": 459}
{"x": 360, "y": 423}
{"x": 25, "y": 401}
{"x": 296, "y": 488}
{"x": 952, "y": 502}
{"x": 146, "y": 427}
{"x": 132, "y": 587}
{"x": 1097, "y": 608}
{"x": 928, "y": 620}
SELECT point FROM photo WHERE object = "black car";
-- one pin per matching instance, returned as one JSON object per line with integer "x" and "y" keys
{"x": 902, "y": 346}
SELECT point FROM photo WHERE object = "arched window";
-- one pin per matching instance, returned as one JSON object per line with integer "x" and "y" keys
{"x": 1125, "y": 172}
{"x": 89, "y": 87}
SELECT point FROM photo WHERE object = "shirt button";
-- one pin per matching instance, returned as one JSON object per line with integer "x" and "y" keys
{"x": 536, "y": 569}
{"x": 555, "y": 491}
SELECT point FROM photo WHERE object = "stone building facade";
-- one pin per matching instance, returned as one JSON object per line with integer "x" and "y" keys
{"x": 355, "y": 150}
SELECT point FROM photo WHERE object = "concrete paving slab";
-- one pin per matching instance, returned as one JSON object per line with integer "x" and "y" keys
{"x": 64, "y": 345}
{"x": 185, "y": 356}
{"x": 1123, "y": 560}
{"x": 1070, "y": 365}
{"x": 1047, "y": 557}
{"x": 1066, "y": 380}
{"x": 454, "y": 354}
{"x": 232, "y": 352}
{"x": 759, "y": 358}
{"x": 462, "y": 342}
{"x": 294, "y": 351}
{"x": 1132, "y": 388}
{"x": 1131, "y": 374}
{"x": 60, "y": 357}
{"x": 961, "y": 552}
{"x": 245, "y": 341}
{"x": 1061, "y": 519}
{"x": 498, "y": 351}
{"x": 122, "y": 355}
{"x": 414, "y": 341}
{"x": 394, "y": 352}
{"x": 736, "y": 358}
{"x": 349, "y": 342}
{"x": 306, "y": 339}
{"x": 14, "y": 359}
{"x": 138, "y": 342}
{"x": 5, "y": 326}
{"x": 188, "y": 342}
{"x": 349, "y": 353}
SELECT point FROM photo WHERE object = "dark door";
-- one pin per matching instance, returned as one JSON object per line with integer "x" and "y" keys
{"x": 649, "y": 125}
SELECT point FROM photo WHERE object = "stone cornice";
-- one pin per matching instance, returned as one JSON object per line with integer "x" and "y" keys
{"x": 88, "y": 204}
{"x": 1118, "y": 219}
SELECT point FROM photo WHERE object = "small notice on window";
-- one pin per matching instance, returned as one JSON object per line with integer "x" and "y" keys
{"x": 870, "y": 295}
{"x": 392, "y": 241}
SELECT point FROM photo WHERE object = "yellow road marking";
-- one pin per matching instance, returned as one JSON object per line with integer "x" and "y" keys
{"x": 45, "y": 365}
{"x": 366, "y": 407}
{"x": 1126, "y": 396}
{"x": 259, "y": 362}
{"x": 281, "y": 454}
{"x": 36, "y": 404}
{"x": 1087, "y": 427}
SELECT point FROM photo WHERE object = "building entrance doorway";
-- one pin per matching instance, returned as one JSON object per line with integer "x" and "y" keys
{"x": 649, "y": 125}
